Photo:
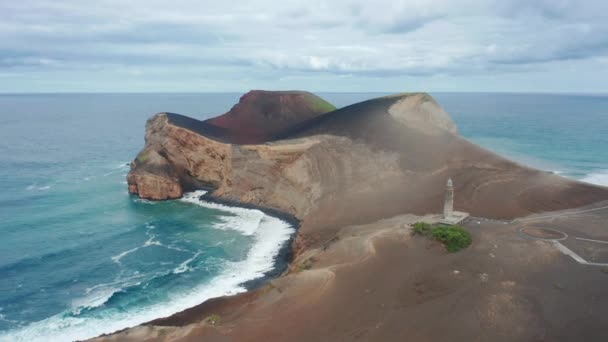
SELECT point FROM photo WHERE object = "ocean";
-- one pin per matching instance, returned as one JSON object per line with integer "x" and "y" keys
{"x": 565, "y": 133}
{"x": 80, "y": 257}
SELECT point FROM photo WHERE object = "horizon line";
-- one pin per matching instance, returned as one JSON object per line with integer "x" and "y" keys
{"x": 311, "y": 91}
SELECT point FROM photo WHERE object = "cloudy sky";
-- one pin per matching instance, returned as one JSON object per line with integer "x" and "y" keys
{"x": 200, "y": 46}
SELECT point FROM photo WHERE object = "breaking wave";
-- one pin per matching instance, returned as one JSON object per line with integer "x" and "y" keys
{"x": 246, "y": 221}
{"x": 95, "y": 314}
{"x": 598, "y": 178}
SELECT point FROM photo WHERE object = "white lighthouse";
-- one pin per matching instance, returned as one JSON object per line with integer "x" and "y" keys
{"x": 448, "y": 204}
{"x": 449, "y": 215}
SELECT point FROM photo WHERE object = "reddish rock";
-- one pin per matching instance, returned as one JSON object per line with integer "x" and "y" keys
{"x": 260, "y": 115}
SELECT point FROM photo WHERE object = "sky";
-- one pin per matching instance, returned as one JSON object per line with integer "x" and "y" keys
{"x": 337, "y": 45}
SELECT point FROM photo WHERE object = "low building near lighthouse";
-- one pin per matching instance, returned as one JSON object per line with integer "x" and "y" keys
{"x": 449, "y": 215}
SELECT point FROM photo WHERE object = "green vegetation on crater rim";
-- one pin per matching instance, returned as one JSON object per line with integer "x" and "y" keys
{"x": 318, "y": 105}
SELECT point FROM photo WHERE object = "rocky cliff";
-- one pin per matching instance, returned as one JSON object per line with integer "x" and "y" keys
{"x": 182, "y": 153}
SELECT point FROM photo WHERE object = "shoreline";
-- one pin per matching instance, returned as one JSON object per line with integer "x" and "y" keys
{"x": 285, "y": 253}
{"x": 469, "y": 276}
{"x": 281, "y": 264}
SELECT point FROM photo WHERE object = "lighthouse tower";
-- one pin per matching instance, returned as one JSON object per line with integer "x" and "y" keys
{"x": 449, "y": 215}
{"x": 448, "y": 205}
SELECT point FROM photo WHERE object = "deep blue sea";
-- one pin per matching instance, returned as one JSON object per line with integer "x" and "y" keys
{"x": 80, "y": 257}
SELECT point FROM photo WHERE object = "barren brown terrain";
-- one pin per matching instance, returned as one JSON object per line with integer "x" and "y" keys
{"x": 376, "y": 282}
{"x": 356, "y": 178}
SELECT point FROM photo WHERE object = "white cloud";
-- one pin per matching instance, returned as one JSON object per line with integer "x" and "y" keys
{"x": 300, "y": 40}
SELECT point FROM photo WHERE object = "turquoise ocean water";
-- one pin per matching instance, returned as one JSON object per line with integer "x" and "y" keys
{"x": 80, "y": 257}
{"x": 566, "y": 134}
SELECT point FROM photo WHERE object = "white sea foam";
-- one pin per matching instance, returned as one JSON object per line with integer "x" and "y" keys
{"x": 116, "y": 258}
{"x": 183, "y": 267}
{"x": 99, "y": 294}
{"x": 599, "y": 178}
{"x": 34, "y": 187}
{"x": 246, "y": 221}
{"x": 141, "y": 200}
{"x": 3, "y": 318}
{"x": 147, "y": 243}
{"x": 152, "y": 242}
{"x": 117, "y": 168}
{"x": 269, "y": 235}
{"x": 96, "y": 297}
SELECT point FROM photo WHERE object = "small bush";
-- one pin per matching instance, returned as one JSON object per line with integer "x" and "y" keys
{"x": 213, "y": 319}
{"x": 306, "y": 265}
{"x": 421, "y": 228}
{"x": 269, "y": 287}
{"x": 454, "y": 238}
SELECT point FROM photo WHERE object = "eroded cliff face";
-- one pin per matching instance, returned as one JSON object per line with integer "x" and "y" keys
{"x": 182, "y": 153}
{"x": 175, "y": 159}
{"x": 294, "y": 175}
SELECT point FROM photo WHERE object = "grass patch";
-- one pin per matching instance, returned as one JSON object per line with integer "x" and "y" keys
{"x": 141, "y": 158}
{"x": 213, "y": 319}
{"x": 269, "y": 287}
{"x": 422, "y": 228}
{"x": 454, "y": 238}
